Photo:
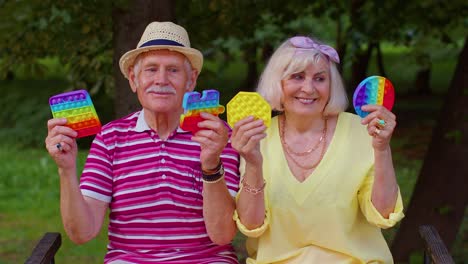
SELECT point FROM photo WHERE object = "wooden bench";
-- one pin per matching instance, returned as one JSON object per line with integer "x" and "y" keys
{"x": 44, "y": 252}
{"x": 435, "y": 250}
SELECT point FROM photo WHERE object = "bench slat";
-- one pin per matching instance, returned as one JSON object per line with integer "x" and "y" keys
{"x": 435, "y": 249}
{"x": 45, "y": 249}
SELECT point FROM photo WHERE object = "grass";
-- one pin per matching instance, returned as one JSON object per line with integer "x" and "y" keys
{"x": 29, "y": 206}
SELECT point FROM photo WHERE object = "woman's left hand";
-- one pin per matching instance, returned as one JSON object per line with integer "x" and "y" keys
{"x": 380, "y": 125}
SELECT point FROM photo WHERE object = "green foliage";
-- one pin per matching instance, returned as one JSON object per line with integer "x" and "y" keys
{"x": 416, "y": 258}
{"x": 78, "y": 33}
{"x": 237, "y": 25}
{"x": 25, "y": 111}
{"x": 445, "y": 210}
{"x": 454, "y": 135}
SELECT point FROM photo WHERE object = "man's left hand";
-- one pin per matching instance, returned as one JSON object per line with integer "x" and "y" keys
{"x": 213, "y": 138}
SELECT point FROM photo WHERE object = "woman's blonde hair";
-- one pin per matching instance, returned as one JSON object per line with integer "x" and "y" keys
{"x": 286, "y": 61}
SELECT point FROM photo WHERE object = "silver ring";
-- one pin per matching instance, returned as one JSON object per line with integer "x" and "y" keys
{"x": 59, "y": 146}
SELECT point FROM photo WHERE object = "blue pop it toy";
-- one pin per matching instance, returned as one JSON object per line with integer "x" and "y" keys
{"x": 194, "y": 103}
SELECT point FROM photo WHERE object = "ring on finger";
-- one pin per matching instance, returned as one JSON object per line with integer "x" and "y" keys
{"x": 376, "y": 132}
{"x": 381, "y": 123}
{"x": 59, "y": 146}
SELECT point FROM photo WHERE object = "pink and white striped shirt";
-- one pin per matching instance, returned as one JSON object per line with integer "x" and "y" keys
{"x": 154, "y": 191}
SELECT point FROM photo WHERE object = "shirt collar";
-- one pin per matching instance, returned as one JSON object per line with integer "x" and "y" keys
{"x": 142, "y": 125}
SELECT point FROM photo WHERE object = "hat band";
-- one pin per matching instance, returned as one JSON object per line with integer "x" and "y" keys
{"x": 157, "y": 42}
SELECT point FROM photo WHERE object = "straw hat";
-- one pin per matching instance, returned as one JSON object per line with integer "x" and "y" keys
{"x": 162, "y": 35}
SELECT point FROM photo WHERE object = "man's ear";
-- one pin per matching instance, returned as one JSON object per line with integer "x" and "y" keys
{"x": 132, "y": 79}
{"x": 193, "y": 81}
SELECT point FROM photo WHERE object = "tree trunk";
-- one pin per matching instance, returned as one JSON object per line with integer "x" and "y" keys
{"x": 360, "y": 65}
{"x": 129, "y": 25}
{"x": 10, "y": 76}
{"x": 380, "y": 63}
{"x": 441, "y": 192}
{"x": 267, "y": 52}
{"x": 356, "y": 57}
{"x": 340, "y": 43}
{"x": 423, "y": 76}
{"x": 422, "y": 83}
{"x": 250, "y": 57}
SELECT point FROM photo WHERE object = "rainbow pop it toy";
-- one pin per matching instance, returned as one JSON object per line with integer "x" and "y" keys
{"x": 78, "y": 108}
{"x": 194, "y": 104}
{"x": 248, "y": 104}
{"x": 373, "y": 90}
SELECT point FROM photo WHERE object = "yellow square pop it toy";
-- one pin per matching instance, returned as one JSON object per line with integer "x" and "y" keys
{"x": 248, "y": 104}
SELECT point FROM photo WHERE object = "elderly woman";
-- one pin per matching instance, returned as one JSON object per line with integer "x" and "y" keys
{"x": 318, "y": 184}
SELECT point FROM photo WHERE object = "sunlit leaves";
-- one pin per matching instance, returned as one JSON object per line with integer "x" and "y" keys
{"x": 76, "y": 32}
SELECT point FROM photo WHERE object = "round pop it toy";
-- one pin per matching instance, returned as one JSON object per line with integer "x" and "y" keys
{"x": 376, "y": 90}
{"x": 248, "y": 104}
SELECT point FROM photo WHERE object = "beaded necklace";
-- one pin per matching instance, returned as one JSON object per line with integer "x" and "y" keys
{"x": 292, "y": 154}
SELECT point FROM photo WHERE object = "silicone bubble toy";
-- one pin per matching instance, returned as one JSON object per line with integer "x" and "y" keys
{"x": 375, "y": 90}
{"x": 194, "y": 104}
{"x": 248, "y": 104}
{"x": 77, "y": 108}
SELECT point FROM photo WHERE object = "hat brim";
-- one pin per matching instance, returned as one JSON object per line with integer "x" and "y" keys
{"x": 194, "y": 56}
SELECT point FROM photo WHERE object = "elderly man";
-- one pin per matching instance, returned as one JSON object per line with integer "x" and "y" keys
{"x": 170, "y": 193}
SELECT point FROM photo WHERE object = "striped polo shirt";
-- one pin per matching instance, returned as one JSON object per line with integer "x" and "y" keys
{"x": 154, "y": 190}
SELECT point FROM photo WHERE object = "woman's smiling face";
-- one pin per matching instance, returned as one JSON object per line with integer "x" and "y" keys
{"x": 307, "y": 92}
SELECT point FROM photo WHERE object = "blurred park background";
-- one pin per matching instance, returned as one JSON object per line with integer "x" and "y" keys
{"x": 48, "y": 47}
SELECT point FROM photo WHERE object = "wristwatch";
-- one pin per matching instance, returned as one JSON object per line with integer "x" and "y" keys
{"x": 212, "y": 177}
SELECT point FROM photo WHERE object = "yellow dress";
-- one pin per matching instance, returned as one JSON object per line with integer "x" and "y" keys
{"x": 328, "y": 218}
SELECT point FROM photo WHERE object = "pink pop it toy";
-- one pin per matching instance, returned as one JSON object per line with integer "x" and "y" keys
{"x": 79, "y": 110}
{"x": 373, "y": 90}
{"x": 194, "y": 104}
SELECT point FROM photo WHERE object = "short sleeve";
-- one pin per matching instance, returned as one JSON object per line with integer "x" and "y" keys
{"x": 370, "y": 212}
{"x": 252, "y": 232}
{"x": 96, "y": 179}
{"x": 242, "y": 228}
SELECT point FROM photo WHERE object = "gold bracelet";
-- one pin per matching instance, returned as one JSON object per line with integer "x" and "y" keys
{"x": 248, "y": 188}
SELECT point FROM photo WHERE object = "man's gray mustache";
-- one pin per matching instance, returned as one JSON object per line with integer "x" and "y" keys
{"x": 161, "y": 89}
